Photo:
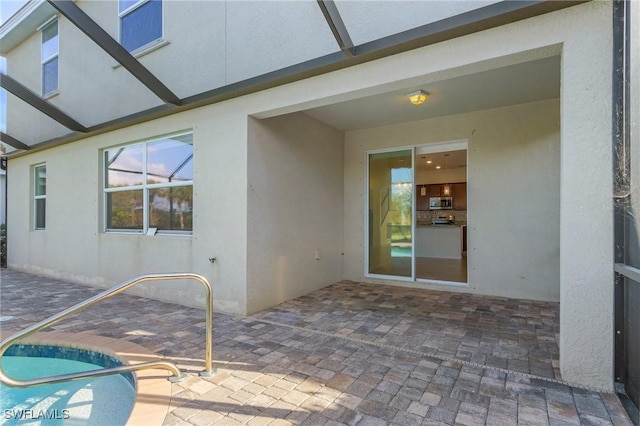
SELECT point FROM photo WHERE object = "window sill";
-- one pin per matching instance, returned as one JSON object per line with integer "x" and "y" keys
{"x": 143, "y": 234}
{"x": 174, "y": 234}
{"x": 144, "y": 50}
{"x": 51, "y": 95}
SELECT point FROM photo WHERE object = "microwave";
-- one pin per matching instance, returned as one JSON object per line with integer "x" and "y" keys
{"x": 440, "y": 203}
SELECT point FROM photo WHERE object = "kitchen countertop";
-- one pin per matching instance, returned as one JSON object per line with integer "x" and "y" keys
{"x": 439, "y": 241}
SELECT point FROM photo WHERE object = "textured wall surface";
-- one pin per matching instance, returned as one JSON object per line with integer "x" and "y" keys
{"x": 295, "y": 208}
{"x": 580, "y": 34}
{"x": 586, "y": 237}
{"x": 74, "y": 246}
{"x": 513, "y": 214}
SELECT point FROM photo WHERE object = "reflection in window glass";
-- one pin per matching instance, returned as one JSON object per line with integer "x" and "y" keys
{"x": 150, "y": 185}
{"x": 41, "y": 213}
{"x": 401, "y": 190}
{"x": 171, "y": 208}
{"x": 50, "y": 76}
{"x": 125, "y": 210}
{"x": 40, "y": 196}
{"x": 49, "y": 58}
{"x": 126, "y": 4}
{"x": 170, "y": 160}
{"x": 124, "y": 166}
{"x": 141, "y": 25}
{"x": 49, "y": 41}
{"x": 390, "y": 221}
{"x": 41, "y": 180}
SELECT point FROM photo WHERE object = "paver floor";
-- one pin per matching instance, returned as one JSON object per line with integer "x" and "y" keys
{"x": 352, "y": 353}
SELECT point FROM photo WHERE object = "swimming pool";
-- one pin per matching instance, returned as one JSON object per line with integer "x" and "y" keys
{"x": 104, "y": 400}
{"x": 400, "y": 251}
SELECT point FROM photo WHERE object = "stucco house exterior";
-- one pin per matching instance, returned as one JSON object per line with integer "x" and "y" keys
{"x": 249, "y": 151}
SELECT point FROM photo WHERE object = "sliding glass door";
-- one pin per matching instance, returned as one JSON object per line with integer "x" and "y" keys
{"x": 390, "y": 216}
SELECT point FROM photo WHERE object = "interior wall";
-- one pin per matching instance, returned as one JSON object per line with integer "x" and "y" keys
{"x": 295, "y": 208}
{"x": 513, "y": 195}
{"x": 425, "y": 177}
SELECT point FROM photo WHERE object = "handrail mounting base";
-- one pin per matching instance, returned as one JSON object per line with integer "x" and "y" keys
{"x": 208, "y": 373}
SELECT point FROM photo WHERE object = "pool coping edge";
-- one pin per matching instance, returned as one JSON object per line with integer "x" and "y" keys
{"x": 153, "y": 390}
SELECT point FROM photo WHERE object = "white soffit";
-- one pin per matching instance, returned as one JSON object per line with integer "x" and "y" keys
{"x": 24, "y": 23}
{"x": 516, "y": 84}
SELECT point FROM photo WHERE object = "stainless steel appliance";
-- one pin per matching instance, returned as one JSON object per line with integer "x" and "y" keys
{"x": 443, "y": 220}
{"x": 440, "y": 203}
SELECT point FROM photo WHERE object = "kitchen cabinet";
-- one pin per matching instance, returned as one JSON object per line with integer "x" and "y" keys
{"x": 458, "y": 192}
{"x": 459, "y": 196}
{"x": 435, "y": 190}
{"x": 422, "y": 201}
{"x": 439, "y": 241}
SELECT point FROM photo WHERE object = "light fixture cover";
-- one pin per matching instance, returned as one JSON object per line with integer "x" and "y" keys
{"x": 418, "y": 97}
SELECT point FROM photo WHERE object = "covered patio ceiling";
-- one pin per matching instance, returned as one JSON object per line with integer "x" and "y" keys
{"x": 356, "y": 41}
{"x": 529, "y": 81}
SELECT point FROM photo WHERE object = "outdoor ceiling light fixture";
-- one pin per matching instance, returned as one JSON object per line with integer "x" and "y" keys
{"x": 418, "y": 97}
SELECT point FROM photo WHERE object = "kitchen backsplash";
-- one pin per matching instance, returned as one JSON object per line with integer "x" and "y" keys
{"x": 425, "y": 216}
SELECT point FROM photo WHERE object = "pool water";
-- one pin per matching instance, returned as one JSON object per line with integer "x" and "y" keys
{"x": 400, "y": 251}
{"x": 97, "y": 401}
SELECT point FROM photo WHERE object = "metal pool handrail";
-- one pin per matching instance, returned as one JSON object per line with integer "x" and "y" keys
{"x": 164, "y": 365}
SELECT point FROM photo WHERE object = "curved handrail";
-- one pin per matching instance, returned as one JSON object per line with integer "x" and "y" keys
{"x": 164, "y": 365}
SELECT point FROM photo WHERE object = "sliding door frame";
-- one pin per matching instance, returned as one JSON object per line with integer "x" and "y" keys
{"x": 367, "y": 223}
{"x": 452, "y": 145}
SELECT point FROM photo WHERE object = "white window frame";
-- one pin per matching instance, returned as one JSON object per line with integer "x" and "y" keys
{"x": 151, "y": 45}
{"x": 145, "y": 187}
{"x": 37, "y": 197}
{"x": 45, "y": 61}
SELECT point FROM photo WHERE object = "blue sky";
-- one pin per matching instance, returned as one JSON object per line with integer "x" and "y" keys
{"x": 9, "y": 7}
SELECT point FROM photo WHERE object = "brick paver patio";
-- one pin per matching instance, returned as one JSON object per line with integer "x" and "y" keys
{"x": 351, "y": 353}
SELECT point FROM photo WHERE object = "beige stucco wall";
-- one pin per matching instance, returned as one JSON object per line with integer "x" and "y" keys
{"x": 74, "y": 246}
{"x": 295, "y": 208}
{"x": 586, "y": 237}
{"x": 580, "y": 34}
{"x": 23, "y": 63}
{"x": 229, "y": 42}
{"x": 585, "y": 249}
{"x": 513, "y": 195}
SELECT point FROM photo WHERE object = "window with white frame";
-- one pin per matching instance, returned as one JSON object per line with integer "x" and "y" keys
{"x": 140, "y": 22}
{"x": 149, "y": 185}
{"x": 40, "y": 196}
{"x": 49, "y": 58}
